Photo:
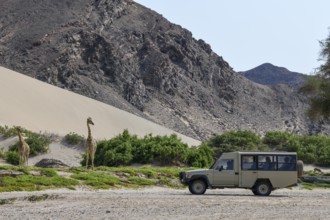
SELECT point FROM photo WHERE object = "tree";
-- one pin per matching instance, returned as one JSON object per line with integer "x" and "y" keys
{"x": 281, "y": 141}
{"x": 325, "y": 54}
{"x": 318, "y": 86}
{"x": 235, "y": 141}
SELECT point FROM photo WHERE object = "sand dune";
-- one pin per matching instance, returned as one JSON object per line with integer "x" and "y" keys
{"x": 38, "y": 106}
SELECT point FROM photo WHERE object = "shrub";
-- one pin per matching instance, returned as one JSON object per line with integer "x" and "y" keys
{"x": 2, "y": 152}
{"x": 125, "y": 149}
{"x": 74, "y": 138}
{"x": 315, "y": 149}
{"x": 145, "y": 149}
{"x": 281, "y": 141}
{"x": 38, "y": 144}
{"x": 200, "y": 157}
{"x": 12, "y": 157}
{"x": 235, "y": 141}
{"x": 114, "y": 152}
{"x": 7, "y": 131}
{"x": 170, "y": 150}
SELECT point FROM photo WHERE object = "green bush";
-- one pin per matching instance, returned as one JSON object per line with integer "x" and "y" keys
{"x": 200, "y": 156}
{"x": 7, "y": 131}
{"x": 235, "y": 141}
{"x": 12, "y": 157}
{"x": 38, "y": 144}
{"x": 73, "y": 138}
{"x": 170, "y": 150}
{"x": 115, "y": 152}
{"x": 315, "y": 149}
{"x": 126, "y": 149}
{"x": 2, "y": 152}
{"x": 282, "y": 141}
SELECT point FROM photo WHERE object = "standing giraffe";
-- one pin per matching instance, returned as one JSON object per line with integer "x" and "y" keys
{"x": 90, "y": 144}
{"x": 23, "y": 149}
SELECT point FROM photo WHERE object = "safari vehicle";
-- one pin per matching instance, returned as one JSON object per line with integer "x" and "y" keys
{"x": 261, "y": 172}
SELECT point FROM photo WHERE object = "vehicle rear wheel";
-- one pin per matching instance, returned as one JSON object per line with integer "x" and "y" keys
{"x": 254, "y": 191}
{"x": 197, "y": 187}
{"x": 262, "y": 188}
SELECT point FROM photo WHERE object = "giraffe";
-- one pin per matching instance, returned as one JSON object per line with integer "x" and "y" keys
{"x": 90, "y": 144}
{"x": 23, "y": 149}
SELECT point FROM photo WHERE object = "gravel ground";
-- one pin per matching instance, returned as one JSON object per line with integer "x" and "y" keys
{"x": 162, "y": 203}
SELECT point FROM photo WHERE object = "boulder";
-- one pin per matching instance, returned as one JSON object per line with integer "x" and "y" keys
{"x": 50, "y": 163}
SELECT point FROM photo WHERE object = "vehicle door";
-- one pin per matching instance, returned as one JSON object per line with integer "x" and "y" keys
{"x": 249, "y": 172}
{"x": 224, "y": 173}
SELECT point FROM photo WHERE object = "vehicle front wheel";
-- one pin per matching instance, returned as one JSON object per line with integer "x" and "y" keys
{"x": 197, "y": 187}
{"x": 262, "y": 189}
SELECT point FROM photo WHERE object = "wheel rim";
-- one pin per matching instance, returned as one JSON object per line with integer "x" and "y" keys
{"x": 198, "y": 187}
{"x": 263, "y": 189}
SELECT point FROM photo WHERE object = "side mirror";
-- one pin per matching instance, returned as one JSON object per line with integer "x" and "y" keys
{"x": 221, "y": 168}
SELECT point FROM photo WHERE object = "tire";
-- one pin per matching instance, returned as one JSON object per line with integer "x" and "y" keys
{"x": 300, "y": 168}
{"x": 254, "y": 192}
{"x": 197, "y": 187}
{"x": 262, "y": 188}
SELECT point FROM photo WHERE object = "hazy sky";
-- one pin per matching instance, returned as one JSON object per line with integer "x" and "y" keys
{"x": 247, "y": 33}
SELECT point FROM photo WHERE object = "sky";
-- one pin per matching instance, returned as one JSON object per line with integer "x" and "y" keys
{"x": 248, "y": 33}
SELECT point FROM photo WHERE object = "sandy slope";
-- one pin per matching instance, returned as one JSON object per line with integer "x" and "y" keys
{"x": 39, "y": 106}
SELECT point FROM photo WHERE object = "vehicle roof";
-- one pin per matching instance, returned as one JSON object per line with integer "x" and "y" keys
{"x": 263, "y": 153}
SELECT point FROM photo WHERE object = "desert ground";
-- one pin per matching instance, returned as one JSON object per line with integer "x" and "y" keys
{"x": 163, "y": 203}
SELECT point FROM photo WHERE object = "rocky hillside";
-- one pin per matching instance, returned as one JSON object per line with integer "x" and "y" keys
{"x": 268, "y": 74}
{"x": 126, "y": 55}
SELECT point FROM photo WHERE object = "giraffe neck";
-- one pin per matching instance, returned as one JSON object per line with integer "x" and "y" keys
{"x": 89, "y": 131}
{"x": 20, "y": 137}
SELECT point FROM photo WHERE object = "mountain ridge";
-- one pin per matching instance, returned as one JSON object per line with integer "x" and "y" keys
{"x": 269, "y": 74}
{"x": 128, "y": 56}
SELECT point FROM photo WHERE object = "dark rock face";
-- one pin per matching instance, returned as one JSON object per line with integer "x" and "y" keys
{"x": 50, "y": 163}
{"x": 128, "y": 56}
{"x": 268, "y": 74}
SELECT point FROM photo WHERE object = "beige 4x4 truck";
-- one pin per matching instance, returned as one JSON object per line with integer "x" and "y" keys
{"x": 261, "y": 172}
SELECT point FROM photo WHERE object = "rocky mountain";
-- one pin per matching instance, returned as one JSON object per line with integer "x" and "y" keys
{"x": 126, "y": 55}
{"x": 268, "y": 74}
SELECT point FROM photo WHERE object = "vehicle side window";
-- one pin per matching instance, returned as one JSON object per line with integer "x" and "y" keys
{"x": 226, "y": 164}
{"x": 288, "y": 163}
{"x": 267, "y": 162}
{"x": 249, "y": 162}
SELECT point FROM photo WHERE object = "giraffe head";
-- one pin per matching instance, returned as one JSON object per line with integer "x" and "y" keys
{"x": 89, "y": 121}
{"x": 18, "y": 128}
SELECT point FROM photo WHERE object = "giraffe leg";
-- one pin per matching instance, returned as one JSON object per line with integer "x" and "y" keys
{"x": 87, "y": 154}
{"x": 19, "y": 160}
{"x": 92, "y": 158}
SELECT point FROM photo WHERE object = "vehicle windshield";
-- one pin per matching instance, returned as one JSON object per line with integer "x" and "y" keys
{"x": 213, "y": 165}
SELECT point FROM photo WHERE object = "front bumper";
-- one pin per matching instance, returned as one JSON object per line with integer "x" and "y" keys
{"x": 183, "y": 178}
